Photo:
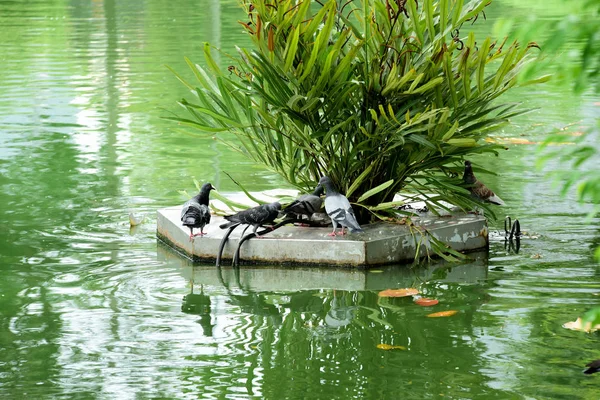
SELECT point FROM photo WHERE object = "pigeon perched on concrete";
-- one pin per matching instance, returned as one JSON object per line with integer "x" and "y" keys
{"x": 256, "y": 216}
{"x": 338, "y": 208}
{"x": 307, "y": 204}
{"x": 195, "y": 212}
{"x": 479, "y": 190}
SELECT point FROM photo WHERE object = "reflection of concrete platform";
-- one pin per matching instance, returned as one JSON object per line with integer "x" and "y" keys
{"x": 381, "y": 243}
{"x": 284, "y": 279}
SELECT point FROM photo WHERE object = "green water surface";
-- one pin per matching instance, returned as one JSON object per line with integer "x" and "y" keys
{"x": 91, "y": 309}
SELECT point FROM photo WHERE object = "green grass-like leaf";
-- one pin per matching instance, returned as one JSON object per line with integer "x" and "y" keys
{"x": 375, "y": 190}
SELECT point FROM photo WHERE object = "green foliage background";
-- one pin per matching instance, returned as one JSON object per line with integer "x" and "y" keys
{"x": 583, "y": 26}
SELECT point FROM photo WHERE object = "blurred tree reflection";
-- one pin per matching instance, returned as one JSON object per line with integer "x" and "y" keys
{"x": 572, "y": 52}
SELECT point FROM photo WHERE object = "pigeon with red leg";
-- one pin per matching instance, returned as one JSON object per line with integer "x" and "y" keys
{"x": 478, "y": 190}
{"x": 195, "y": 212}
{"x": 339, "y": 209}
{"x": 307, "y": 204}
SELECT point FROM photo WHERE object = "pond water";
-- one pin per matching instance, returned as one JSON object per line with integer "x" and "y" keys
{"x": 90, "y": 309}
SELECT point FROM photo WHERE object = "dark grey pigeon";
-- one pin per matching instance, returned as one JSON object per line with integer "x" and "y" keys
{"x": 338, "y": 208}
{"x": 195, "y": 212}
{"x": 592, "y": 367}
{"x": 255, "y": 216}
{"x": 478, "y": 189}
{"x": 307, "y": 204}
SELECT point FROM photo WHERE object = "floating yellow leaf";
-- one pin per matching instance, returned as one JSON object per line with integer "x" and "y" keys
{"x": 398, "y": 292}
{"x": 384, "y": 346}
{"x": 375, "y": 271}
{"x": 510, "y": 140}
{"x": 520, "y": 141}
{"x": 561, "y": 143}
{"x": 577, "y": 325}
{"x": 448, "y": 313}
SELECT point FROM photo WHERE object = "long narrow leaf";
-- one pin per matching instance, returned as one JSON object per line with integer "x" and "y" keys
{"x": 375, "y": 190}
{"x": 359, "y": 180}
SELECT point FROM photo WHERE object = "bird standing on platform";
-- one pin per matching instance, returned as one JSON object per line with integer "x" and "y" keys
{"x": 339, "y": 209}
{"x": 256, "y": 216}
{"x": 478, "y": 189}
{"x": 195, "y": 212}
{"x": 307, "y": 204}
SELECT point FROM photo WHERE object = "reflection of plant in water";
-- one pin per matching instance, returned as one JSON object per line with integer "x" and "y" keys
{"x": 339, "y": 336}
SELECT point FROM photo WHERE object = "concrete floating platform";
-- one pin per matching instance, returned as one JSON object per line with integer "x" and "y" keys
{"x": 381, "y": 243}
{"x": 277, "y": 279}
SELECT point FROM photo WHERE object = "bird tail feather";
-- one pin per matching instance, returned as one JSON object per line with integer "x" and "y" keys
{"x": 228, "y": 224}
{"x": 352, "y": 224}
{"x": 189, "y": 221}
{"x": 495, "y": 200}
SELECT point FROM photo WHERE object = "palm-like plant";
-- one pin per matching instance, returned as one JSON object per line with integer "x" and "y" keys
{"x": 378, "y": 95}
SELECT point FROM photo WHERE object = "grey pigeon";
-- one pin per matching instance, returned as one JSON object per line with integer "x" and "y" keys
{"x": 338, "y": 208}
{"x": 256, "y": 216}
{"x": 307, "y": 204}
{"x": 195, "y": 212}
{"x": 478, "y": 189}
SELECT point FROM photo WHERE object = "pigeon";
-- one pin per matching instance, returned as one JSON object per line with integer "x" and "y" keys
{"x": 479, "y": 190}
{"x": 195, "y": 212}
{"x": 307, "y": 204}
{"x": 593, "y": 367}
{"x": 338, "y": 208}
{"x": 256, "y": 216}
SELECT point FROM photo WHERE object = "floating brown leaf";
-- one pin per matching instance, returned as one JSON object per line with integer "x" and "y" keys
{"x": 448, "y": 313}
{"x": 398, "y": 292}
{"x": 426, "y": 302}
